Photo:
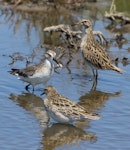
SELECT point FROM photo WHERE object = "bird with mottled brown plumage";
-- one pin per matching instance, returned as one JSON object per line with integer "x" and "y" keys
{"x": 93, "y": 53}
{"x": 64, "y": 110}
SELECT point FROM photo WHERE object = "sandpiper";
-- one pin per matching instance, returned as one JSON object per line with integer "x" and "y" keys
{"x": 37, "y": 74}
{"x": 93, "y": 53}
{"x": 64, "y": 110}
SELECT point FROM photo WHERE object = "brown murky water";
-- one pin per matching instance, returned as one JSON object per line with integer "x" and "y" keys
{"x": 22, "y": 114}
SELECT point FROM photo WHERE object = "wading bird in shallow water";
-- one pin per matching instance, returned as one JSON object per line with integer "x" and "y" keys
{"x": 94, "y": 54}
{"x": 37, "y": 74}
{"x": 62, "y": 109}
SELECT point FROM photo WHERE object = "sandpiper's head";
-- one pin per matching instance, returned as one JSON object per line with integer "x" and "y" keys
{"x": 49, "y": 90}
{"x": 50, "y": 53}
{"x": 85, "y": 22}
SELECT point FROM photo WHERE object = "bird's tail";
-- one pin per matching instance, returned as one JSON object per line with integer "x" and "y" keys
{"x": 14, "y": 71}
{"x": 117, "y": 69}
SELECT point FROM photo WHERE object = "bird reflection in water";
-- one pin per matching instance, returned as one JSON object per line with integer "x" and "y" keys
{"x": 64, "y": 134}
{"x": 94, "y": 99}
{"x": 54, "y": 135}
{"x": 32, "y": 103}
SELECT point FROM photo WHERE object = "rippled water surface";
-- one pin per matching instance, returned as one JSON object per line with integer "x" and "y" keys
{"x": 22, "y": 114}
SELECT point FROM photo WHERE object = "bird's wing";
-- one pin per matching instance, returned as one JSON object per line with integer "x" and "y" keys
{"x": 68, "y": 107}
{"x": 96, "y": 55}
{"x": 29, "y": 71}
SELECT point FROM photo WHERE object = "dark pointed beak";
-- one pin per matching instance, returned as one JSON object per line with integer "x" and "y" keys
{"x": 44, "y": 92}
{"x": 58, "y": 63}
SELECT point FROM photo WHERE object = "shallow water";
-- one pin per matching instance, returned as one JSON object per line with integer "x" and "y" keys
{"x": 23, "y": 114}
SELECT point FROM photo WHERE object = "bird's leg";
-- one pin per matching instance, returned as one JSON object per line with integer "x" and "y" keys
{"x": 96, "y": 75}
{"x": 93, "y": 72}
{"x": 26, "y": 87}
{"x": 94, "y": 84}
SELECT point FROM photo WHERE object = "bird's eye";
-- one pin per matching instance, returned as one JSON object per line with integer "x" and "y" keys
{"x": 45, "y": 90}
{"x": 85, "y": 21}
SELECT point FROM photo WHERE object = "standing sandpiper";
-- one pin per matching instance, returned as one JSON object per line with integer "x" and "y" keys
{"x": 62, "y": 109}
{"x": 37, "y": 74}
{"x": 93, "y": 53}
